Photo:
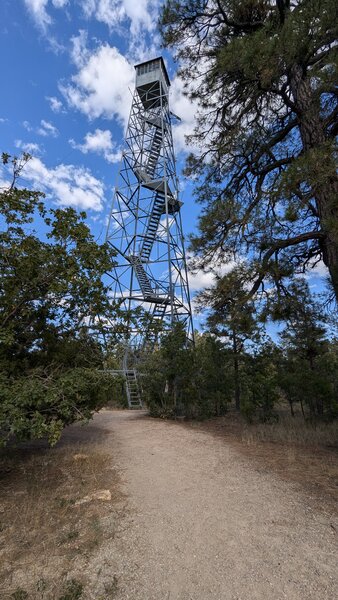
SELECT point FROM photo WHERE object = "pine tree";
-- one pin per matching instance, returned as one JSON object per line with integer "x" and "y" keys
{"x": 308, "y": 373}
{"x": 264, "y": 73}
{"x": 232, "y": 318}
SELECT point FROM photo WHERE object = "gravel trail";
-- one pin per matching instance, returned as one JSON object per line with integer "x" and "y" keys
{"x": 203, "y": 523}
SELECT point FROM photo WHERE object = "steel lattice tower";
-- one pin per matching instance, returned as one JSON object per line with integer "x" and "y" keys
{"x": 145, "y": 226}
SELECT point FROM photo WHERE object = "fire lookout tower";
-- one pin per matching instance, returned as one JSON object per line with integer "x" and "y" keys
{"x": 145, "y": 226}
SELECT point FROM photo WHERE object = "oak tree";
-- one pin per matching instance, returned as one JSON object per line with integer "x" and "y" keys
{"x": 50, "y": 283}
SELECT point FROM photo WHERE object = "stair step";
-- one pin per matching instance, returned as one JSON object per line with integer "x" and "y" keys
{"x": 133, "y": 395}
{"x": 153, "y": 223}
{"x": 141, "y": 275}
{"x": 154, "y": 152}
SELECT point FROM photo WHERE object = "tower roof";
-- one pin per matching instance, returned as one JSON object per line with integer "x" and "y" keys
{"x": 164, "y": 69}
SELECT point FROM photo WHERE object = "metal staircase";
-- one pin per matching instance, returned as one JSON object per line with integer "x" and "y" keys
{"x": 132, "y": 389}
{"x": 148, "y": 241}
{"x": 154, "y": 220}
{"x": 157, "y": 316}
{"x": 145, "y": 176}
{"x": 142, "y": 278}
{"x": 133, "y": 394}
{"x": 153, "y": 329}
{"x": 154, "y": 152}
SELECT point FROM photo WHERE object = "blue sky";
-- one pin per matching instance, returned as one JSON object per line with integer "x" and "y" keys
{"x": 67, "y": 67}
{"x": 67, "y": 72}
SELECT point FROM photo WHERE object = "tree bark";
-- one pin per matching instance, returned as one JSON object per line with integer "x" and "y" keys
{"x": 325, "y": 192}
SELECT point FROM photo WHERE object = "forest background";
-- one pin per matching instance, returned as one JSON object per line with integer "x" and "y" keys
{"x": 264, "y": 172}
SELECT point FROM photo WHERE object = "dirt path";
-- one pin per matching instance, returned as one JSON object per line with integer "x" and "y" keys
{"x": 204, "y": 524}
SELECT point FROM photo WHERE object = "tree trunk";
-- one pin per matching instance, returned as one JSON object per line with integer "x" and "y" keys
{"x": 236, "y": 371}
{"x": 325, "y": 191}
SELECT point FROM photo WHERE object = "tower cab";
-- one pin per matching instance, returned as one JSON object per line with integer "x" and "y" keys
{"x": 152, "y": 82}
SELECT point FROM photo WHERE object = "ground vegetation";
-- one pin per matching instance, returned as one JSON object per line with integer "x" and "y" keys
{"x": 50, "y": 285}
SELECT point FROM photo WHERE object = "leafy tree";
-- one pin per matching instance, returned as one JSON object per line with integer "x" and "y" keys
{"x": 304, "y": 371}
{"x": 166, "y": 373}
{"x": 261, "y": 390}
{"x": 49, "y": 286}
{"x": 185, "y": 380}
{"x": 232, "y": 318}
{"x": 316, "y": 390}
{"x": 264, "y": 74}
{"x": 214, "y": 385}
{"x": 305, "y": 333}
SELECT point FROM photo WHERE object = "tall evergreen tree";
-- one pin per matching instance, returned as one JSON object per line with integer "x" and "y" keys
{"x": 232, "y": 318}
{"x": 264, "y": 73}
{"x": 307, "y": 367}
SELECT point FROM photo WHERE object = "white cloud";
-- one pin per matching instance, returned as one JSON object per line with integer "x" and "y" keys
{"x": 69, "y": 185}
{"x": 47, "y": 129}
{"x": 319, "y": 270}
{"x": 100, "y": 88}
{"x": 38, "y": 11}
{"x": 163, "y": 228}
{"x": 27, "y": 125}
{"x": 100, "y": 142}
{"x": 140, "y": 14}
{"x": 55, "y": 104}
{"x": 5, "y": 177}
{"x": 199, "y": 279}
{"x": 2, "y": 120}
{"x": 30, "y": 147}
{"x": 59, "y": 3}
{"x": 186, "y": 111}
{"x": 79, "y": 52}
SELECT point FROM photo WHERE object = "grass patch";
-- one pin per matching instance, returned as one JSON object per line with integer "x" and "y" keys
{"x": 46, "y": 535}
{"x": 292, "y": 430}
{"x": 19, "y": 594}
{"x": 73, "y": 590}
